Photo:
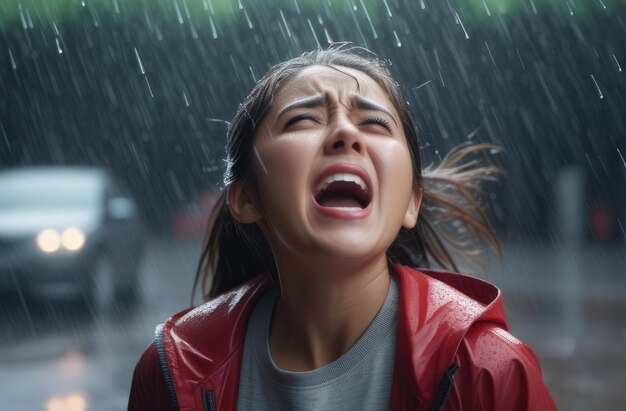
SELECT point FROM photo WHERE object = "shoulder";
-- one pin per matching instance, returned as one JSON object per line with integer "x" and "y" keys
{"x": 225, "y": 309}
{"x": 493, "y": 346}
{"x": 498, "y": 371}
{"x": 207, "y": 326}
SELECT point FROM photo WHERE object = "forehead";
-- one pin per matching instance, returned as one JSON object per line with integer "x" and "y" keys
{"x": 340, "y": 82}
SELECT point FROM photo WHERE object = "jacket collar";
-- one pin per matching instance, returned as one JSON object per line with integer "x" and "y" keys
{"x": 436, "y": 310}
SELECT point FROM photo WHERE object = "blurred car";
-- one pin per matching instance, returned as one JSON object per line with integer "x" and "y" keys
{"x": 68, "y": 231}
{"x": 191, "y": 220}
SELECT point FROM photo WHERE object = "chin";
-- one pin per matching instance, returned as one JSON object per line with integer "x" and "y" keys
{"x": 351, "y": 248}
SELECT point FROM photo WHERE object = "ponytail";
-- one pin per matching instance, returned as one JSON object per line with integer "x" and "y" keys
{"x": 453, "y": 219}
{"x": 453, "y": 222}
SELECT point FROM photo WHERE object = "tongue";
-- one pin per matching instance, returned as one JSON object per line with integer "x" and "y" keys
{"x": 340, "y": 202}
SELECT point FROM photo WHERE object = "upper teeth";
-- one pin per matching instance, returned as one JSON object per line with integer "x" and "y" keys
{"x": 342, "y": 177}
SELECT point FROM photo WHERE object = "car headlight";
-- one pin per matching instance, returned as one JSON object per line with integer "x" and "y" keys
{"x": 73, "y": 239}
{"x": 49, "y": 240}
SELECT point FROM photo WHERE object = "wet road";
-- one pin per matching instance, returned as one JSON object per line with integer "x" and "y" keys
{"x": 57, "y": 357}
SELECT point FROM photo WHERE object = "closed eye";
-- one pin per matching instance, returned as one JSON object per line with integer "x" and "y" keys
{"x": 377, "y": 120}
{"x": 301, "y": 117}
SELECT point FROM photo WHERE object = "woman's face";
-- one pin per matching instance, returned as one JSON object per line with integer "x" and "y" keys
{"x": 332, "y": 167}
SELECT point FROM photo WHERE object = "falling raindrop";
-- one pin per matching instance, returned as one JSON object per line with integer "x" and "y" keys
{"x": 622, "y": 157}
{"x": 458, "y": 19}
{"x": 617, "y": 62}
{"x": 240, "y": 4}
{"x": 59, "y": 49}
{"x": 593, "y": 169}
{"x": 473, "y": 133}
{"x": 603, "y": 5}
{"x": 6, "y": 138}
{"x": 388, "y": 9}
{"x": 571, "y": 12}
{"x": 295, "y": 3}
{"x": 441, "y": 78}
{"x": 252, "y": 73}
{"x": 603, "y": 166}
{"x": 398, "y": 43}
{"x": 192, "y": 29}
{"x": 369, "y": 19}
{"x": 328, "y": 39}
{"x": 519, "y": 56}
{"x": 532, "y": 5}
{"x": 148, "y": 84}
{"x": 138, "y": 61}
{"x": 490, "y": 55}
{"x": 422, "y": 85}
{"x": 185, "y": 97}
{"x": 436, "y": 57}
{"x": 116, "y": 7}
{"x": 597, "y": 86}
{"x": 82, "y": 3}
{"x": 314, "y": 35}
{"x": 94, "y": 15}
{"x": 22, "y": 18}
{"x": 178, "y": 13}
{"x": 250, "y": 26}
{"x": 218, "y": 120}
{"x": 187, "y": 14}
{"x": 621, "y": 227}
{"x": 422, "y": 4}
{"x": 285, "y": 23}
{"x": 213, "y": 29}
{"x": 232, "y": 61}
{"x": 149, "y": 22}
{"x": 486, "y": 8}
{"x": 13, "y": 65}
{"x": 158, "y": 33}
{"x": 29, "y": 21}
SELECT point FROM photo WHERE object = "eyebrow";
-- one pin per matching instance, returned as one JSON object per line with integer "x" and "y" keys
{"x": 318, "y": 100}
{"x": 360, "y": 102}
{"x": 309, "y": 102}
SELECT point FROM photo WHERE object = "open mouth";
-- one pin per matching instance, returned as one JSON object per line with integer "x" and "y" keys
{"x": 343, "y": 191}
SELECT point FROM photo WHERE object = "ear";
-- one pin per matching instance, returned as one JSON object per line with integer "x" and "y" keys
{"x": 240, "y": 203}
{"x": 412, "y": 212}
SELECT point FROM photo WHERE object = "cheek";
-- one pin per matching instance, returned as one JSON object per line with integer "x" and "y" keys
{"x": 281, "y": 169}
{"x": 396, "y": 161}
{"x": 397, "y": 176}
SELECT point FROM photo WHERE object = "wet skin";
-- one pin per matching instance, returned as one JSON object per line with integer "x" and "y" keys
{"x": 295, "y": 145}
{"x": 332, "y": 264}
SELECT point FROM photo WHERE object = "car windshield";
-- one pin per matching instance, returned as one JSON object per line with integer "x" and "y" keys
{"x": 46, "y": 189}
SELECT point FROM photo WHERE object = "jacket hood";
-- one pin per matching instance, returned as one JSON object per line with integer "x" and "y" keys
{"x": 443, "y": 307}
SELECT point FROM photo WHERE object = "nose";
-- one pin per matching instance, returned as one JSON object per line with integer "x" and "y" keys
{"x": 346, "y": 138}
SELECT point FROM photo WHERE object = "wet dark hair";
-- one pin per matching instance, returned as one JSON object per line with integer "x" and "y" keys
{"x": 451, "y": 219}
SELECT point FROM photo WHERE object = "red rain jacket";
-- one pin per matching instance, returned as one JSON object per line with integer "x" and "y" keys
{"x": 453, "y": 352}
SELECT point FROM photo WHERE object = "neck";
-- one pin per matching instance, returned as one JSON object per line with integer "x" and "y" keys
{"x": 323, "y": 309}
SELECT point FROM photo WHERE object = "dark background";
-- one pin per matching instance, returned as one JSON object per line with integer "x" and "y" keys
{"x": 146, "y": 88}
{"x": 521, "y": 80}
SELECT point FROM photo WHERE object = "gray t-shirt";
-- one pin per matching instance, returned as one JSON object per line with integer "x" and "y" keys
{"x": 359, "y": 380}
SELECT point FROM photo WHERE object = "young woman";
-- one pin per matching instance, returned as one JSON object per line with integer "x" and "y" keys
{"x": 315, "y": 264}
